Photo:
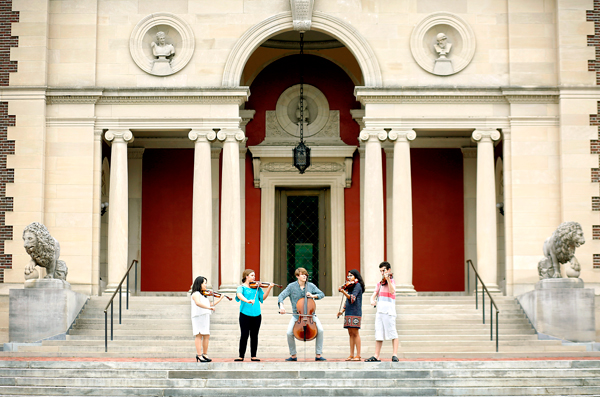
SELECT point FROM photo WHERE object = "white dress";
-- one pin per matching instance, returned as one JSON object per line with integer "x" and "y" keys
{"x": 200, "y": 316}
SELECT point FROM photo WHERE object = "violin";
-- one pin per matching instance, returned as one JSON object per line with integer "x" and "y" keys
{"x": 348, "y": 284}
{"x": 384, "y": 280}
{"x": 254, "y": 284}
{"x": 305, "y": 328}
{"x": 209, "y": 292}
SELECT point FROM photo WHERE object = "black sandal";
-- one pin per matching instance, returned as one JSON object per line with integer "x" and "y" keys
{"x": 395, "y": 358}
{"x": 238, "y": 359}
{"x": 372, "y": 359}
{"x": 255, "y": 359}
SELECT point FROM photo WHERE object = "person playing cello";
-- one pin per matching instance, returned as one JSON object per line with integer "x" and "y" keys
{"x": 295, "y": 291}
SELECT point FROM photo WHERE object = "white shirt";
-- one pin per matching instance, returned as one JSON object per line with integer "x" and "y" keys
{"x": 197, "y": 310}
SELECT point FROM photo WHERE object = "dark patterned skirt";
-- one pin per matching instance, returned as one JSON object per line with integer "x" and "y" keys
{"x": 352, "y": 321}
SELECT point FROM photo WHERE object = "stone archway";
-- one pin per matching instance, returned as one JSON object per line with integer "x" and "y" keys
{"x": 333, "y": 26}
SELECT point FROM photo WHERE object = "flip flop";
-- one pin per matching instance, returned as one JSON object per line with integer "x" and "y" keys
{"x": 372, "y": 359}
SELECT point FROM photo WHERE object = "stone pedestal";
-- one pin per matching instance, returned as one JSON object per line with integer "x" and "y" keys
{"x": 561, "y": 308}
{"x": 443, "y": 67}
{"x": 42, "y": 311}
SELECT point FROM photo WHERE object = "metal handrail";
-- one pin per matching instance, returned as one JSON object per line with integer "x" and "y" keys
{"x": 483, "y": 302}
{"x": 110, "y": 304}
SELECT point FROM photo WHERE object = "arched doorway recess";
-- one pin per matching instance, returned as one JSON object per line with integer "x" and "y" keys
{"x": 282, "y": 22}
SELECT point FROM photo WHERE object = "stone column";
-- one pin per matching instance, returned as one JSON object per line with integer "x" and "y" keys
{"x": 373, "y": 206}
{"x": 470, "y": 210}
{"x": 118, "y": 207}
{"x": 402, "y": 224}
{"x": 202, "y": 206}
{"x": 231, "y": 232}
{"x": 96, "y": 217}
{"x": 486, "y": 208}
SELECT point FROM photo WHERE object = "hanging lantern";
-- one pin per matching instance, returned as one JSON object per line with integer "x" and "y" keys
{"x": 301, "y": 152}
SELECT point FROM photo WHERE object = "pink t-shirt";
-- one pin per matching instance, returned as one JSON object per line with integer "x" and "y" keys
{"x": 386, "y": 301}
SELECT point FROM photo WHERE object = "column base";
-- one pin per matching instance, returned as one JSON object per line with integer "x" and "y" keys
{"x": 405, "y": 290}
{"x": 492, "y": 288}
{"x": 228, "y": 288}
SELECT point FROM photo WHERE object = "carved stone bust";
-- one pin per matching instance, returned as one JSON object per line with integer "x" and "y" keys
{"x": 442, "y": 47}
{"x": 164, "y": 53}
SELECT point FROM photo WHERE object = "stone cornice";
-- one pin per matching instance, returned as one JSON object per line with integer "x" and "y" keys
{"x": 237, "y": 96}
{"x": 506, "y": 95}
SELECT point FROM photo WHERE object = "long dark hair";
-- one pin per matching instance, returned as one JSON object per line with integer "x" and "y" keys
{"x": 356, "y": 274}
{"x": 197, "y": 286}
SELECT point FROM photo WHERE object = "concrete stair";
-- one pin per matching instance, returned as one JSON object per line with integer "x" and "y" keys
{"x": 405, "y": 378}
{"x": 429, "y": 327}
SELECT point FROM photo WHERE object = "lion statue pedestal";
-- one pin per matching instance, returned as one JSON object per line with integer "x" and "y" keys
{"x": 47, "y": 307}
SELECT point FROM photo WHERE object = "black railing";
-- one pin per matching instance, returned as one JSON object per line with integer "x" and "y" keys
{"x": 484, "y": 288}
{"x": 110, "y": 303}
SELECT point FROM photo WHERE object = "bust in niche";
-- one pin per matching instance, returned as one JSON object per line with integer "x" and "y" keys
{"x": 164, "y": 53}
{"x": 442, "y": 47}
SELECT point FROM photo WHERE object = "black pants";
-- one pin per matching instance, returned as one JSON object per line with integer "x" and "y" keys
{"x": 249, "y": 326}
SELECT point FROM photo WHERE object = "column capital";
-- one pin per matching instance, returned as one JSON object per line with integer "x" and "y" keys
{"x": 98, "y": 133}
{"x": 202, "y": 134}
{"x": 483, "y": 134}
{"x": 373, "y": 133}
{"x": 231, "y": 134}
{"x": 402, "y": 134}
{"x": 119, "y": 136}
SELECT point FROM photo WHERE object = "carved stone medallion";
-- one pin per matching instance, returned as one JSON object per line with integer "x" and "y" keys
{"x": 443, "y": 44}
{"x": 161, "y": 44}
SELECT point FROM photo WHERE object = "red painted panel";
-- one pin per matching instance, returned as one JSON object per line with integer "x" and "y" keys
{"x": 438, "y": 219}
{"x": 167, "y": 187}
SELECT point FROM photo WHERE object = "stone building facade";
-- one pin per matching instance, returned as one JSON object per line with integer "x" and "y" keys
{"x": 163, "y": 131}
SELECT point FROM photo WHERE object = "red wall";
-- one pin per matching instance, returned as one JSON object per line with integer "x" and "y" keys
{"x": 339, "y": 91}
{"x": 438, "y": 219}
{"x": 167, "y": 186}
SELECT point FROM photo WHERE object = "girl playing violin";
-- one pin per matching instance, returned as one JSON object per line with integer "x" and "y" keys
{"x": 202, "y": 308}
{"x": 250, "y": 317}
{"x": 353, "y": 291}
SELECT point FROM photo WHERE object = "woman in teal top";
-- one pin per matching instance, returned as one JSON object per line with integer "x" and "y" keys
{"x": 250, "y": 317}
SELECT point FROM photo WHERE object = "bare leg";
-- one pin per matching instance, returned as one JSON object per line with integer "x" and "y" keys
{"x": 198, "y": 342}
{"x": 395, "y": 346}
{"x": 205, "y": 343}
{"x": 378, "y": 345}
{"x": 357, "y": 342}
{"x": 351, "y": 337}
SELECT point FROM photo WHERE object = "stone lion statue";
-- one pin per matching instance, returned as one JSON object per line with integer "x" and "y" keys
{"x": 560, "y": 248}
{"x": 44, "y": 251}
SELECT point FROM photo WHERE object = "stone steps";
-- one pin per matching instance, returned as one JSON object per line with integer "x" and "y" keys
{"x": 157, "y": 326}
{"x": 405, "y": 378}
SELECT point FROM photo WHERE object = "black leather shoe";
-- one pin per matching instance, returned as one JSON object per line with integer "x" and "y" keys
{"x": 291, "y": 359}
{"x": 320, "y": 359}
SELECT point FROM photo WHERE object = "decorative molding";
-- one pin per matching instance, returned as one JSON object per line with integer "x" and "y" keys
{"x": 135, "y": 153}
{"x": 314, "y": 167}
{"x": 115, "y": 100}
{"x": 459, "y": 34}
{"x": 179, "y": 34}
{"x": 302, "y": 14}
{"x": 469, "y": 152}
{"x": 347, "y": 34}
{"x": 68, "y": 99}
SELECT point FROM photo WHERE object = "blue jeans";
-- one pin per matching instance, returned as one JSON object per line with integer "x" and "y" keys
{"x": 292, "y": 340}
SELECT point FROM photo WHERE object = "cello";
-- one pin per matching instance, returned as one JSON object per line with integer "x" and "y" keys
{"x": 305, "y": 328}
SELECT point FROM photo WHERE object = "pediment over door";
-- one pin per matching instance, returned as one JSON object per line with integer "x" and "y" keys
{"x": 329, "y": 154}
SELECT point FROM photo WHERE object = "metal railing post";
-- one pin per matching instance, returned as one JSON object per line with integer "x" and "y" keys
{"x": 476, "y": 296}
{"x": 497, "y": 330}
{"x": 127, "y": 295}
{"x": 105, "y": 331}
{"x": 135, "y": 281}
{"x": 491, "y": 323}
{"x": 111, "y": 321}
{"x": 120, "y": 298}
{"x": 483, "y": 301}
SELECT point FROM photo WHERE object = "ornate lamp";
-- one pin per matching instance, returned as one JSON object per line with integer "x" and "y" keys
{"x": 301, "y": 152}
